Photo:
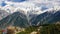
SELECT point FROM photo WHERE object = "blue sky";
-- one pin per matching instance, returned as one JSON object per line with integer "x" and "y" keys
{"x": 2, "y": 3}
{"x": 17, "y": 0}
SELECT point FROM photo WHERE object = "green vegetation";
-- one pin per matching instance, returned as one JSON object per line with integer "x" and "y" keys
{"x": 49, "y": 29}
{"x": 29, "y": 30}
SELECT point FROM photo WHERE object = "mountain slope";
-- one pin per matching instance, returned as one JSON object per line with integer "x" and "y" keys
{"x": 22, "y": 20}
{"x": 46, "y": 18}
{"x": 15, "y": 19}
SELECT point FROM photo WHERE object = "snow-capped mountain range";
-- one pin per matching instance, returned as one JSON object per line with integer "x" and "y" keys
{"x": 30, "y": 12}
{"x": 29, "y": 5}
{"x": 21, "y": 19}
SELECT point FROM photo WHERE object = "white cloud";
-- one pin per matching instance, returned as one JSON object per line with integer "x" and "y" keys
{"x": 34, "y": 4}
